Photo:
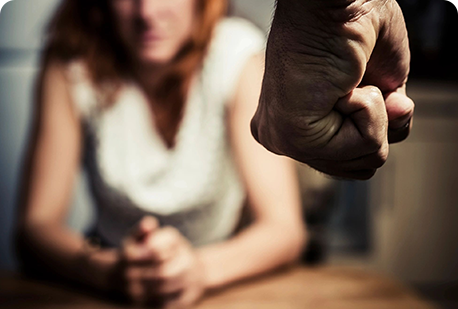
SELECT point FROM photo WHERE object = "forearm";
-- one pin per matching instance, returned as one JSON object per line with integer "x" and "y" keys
{"x": 56, "y": 250}
{"x": 258, "y": 249}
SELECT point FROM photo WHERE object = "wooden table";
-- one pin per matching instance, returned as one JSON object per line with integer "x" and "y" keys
{"x": 301, "y": 288}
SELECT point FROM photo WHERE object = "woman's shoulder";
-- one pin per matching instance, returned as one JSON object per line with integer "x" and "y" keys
{"x": 237, "y": 32}
{"x": 235, "y": 41}
{"x": 77, "y": 71}
{"x": 237, "y": 24}
{"x": 80, "y": 86}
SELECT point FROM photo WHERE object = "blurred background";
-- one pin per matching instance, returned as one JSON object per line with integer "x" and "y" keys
{"x": 403, "y": 222}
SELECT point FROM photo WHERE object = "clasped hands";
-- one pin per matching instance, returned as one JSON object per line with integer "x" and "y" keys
{"x": 159, "y": 267}
{"x": 333, "y": 93}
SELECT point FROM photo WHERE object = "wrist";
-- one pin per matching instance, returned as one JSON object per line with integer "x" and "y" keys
{"x": 98, "y": 267}
{"x": 211, "y": 272}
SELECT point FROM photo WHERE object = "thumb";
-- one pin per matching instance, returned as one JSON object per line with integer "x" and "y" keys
{"x": 399, "y": 108}
{"x": 146, "y": 226}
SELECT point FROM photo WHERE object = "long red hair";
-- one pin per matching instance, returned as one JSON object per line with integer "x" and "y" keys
{"x": 84, "y": 29}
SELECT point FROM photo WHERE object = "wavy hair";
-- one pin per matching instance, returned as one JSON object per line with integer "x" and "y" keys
{"x": 84, "y": 30}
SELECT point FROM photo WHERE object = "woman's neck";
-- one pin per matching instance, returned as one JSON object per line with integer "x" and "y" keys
{"x": 148, "y": 75}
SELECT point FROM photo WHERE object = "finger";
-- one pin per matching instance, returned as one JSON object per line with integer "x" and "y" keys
{"x": 136, "y": 292}
{"x": 400, "y": 109}
{"x": 146, "y": 226}
{"x": 160, "y": 289}
{"x": 185, "y": 300}
{"x": 361, "y": 168}
{"x": 364, "y": 130}
{"x": 169, "y": 277}
{"x": 400, "y": 134}
{"x": 163, "y": 244}
{"x": 137, "y": 255}
{"x": 133, "y": 248}
{"x": 142, "y": 287}
{"x": 388, "y": 66}
{"x": 136, "y": 273}
{"x": 134, "y": 253}
{"x": 333, "y": 169}
{"x": 366, "y": 107}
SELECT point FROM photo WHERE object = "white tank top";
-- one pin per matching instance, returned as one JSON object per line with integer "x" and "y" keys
{"x": 195, "y": 186}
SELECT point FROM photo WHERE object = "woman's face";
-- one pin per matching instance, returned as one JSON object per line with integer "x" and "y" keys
{"x": 154, "y": 30}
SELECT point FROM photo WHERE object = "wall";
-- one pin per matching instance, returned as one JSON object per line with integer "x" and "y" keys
{"x": 21, "y": 26}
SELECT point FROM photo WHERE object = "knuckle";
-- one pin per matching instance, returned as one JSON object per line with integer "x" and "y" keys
{"x": 172, "y": 231}
{"x": 381, "y": 157}
{"x": 171, "y": 237}
{"x": 164, "y": 274}
{"x": 169, "y": 272}
{"x": 158, "y": 255}
{"x": 373, "y": 99}
{"x": 373, "y": 143}
{"x": 374, "y": 93}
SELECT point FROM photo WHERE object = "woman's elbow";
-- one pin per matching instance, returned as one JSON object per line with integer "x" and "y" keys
{"x": 25, "y": 244}
{"x": 21, "y": 245}
{"x": 299, "y": 243}
{"x": 296, "y": 240}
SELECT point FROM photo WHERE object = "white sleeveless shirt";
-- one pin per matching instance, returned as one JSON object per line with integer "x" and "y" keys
{"x": 195, "y": 186}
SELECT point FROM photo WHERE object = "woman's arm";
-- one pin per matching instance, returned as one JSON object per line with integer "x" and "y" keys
{"x": 44, "y": 243}
{"x": 277, "y": 234}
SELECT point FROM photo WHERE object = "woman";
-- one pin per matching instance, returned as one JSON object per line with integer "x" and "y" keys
{"x": 156, "y": 97}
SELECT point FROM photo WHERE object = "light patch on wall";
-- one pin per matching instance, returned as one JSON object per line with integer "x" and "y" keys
{"x": 455, "y": 3}
{"x": 2, "y": 3}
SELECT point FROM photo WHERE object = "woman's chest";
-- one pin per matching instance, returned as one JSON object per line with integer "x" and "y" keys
{"x": 132, "y": 158}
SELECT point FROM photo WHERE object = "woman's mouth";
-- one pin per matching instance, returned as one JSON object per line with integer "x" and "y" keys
{"x": 151, "y": 37}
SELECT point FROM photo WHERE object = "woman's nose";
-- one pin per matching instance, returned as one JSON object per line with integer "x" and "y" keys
{"x": 149, "y": 9}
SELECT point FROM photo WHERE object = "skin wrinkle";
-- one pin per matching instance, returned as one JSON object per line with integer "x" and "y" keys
{"x": 392, "y": 79}
{"x": 337, "y": 11}
{"x": 331, "y": 59}
{"x": 327, "y": 72}
{"x": 337, "y": 59}
{"x": 330, "y": 124}
{"x": 325, "y": 57}
{"x": 322, "y": 53}
{"x": 320, "y": 133}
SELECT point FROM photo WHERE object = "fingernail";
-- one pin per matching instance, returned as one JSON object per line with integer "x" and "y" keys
{"x": 399, "y": 124}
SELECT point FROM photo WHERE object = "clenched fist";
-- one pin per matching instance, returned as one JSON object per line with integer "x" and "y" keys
{"x": 333, "y": 93}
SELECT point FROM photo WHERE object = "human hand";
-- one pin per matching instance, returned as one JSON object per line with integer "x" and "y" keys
{"x": 321, "y": 53}
{"x": 162, "y": 268}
